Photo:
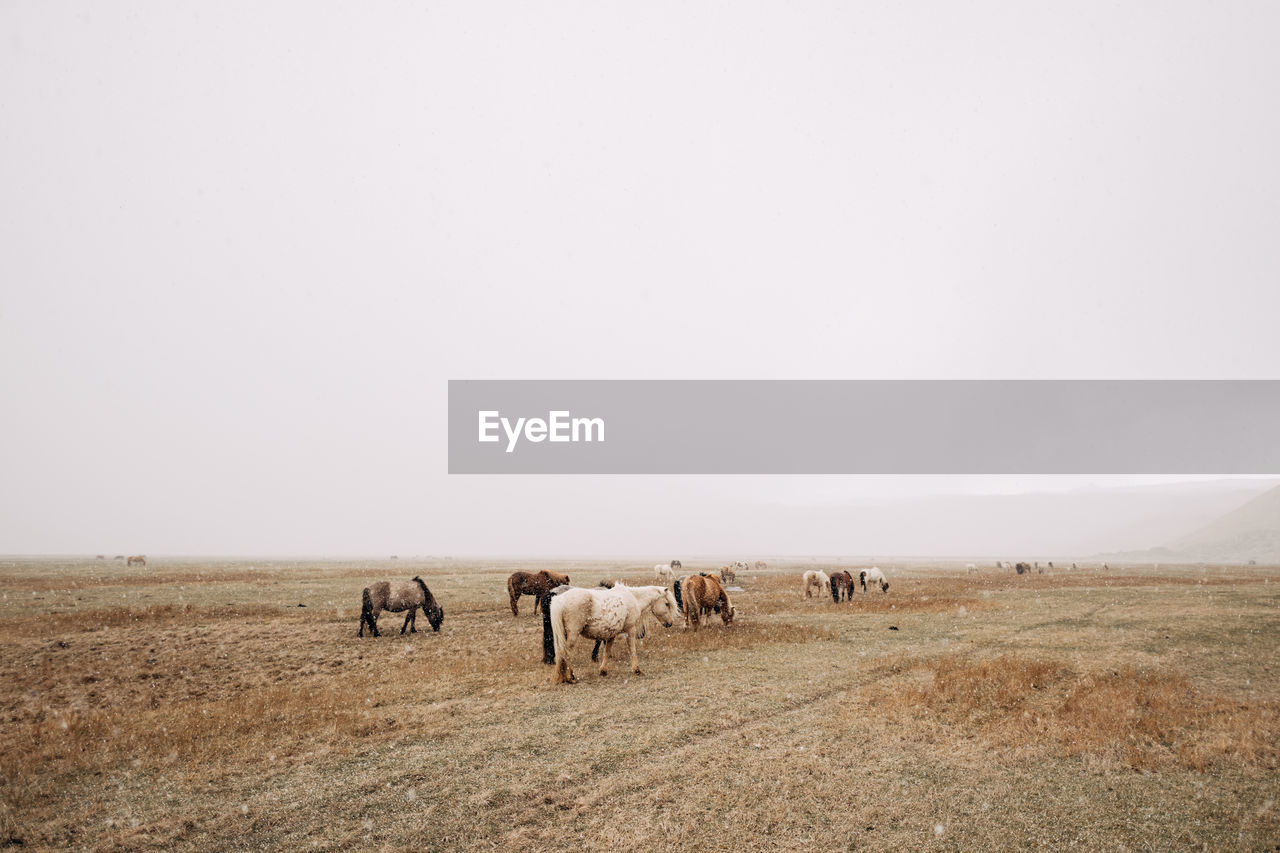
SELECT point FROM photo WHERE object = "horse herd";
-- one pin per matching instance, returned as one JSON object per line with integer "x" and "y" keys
{"x": 604, "y": 613}
{"x": 840, "y": 585}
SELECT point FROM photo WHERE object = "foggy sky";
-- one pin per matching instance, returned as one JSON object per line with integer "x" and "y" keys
{"x": 245, "y": 247}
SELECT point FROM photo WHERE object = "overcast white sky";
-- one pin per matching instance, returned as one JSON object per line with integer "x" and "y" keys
{"x": 245, "y": 245}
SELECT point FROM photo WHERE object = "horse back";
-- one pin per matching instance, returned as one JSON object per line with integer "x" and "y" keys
{"x": 402, "y": 595}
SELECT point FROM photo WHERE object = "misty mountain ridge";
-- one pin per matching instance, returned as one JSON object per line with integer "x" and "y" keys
{"x": 1249, "y": 532}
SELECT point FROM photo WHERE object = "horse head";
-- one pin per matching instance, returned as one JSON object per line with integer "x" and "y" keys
{"x": 666, "y": 608}
{"x": 435, "y": 615}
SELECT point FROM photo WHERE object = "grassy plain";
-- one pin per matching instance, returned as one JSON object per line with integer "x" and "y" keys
{"x": 210, "y": 704}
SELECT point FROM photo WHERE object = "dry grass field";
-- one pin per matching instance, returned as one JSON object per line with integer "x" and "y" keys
{"x": 221, "y": 705}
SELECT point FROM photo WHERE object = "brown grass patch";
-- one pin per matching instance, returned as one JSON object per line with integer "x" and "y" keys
{"x": 97, "y": 618}
{"x": 739, "y": 635}
{"x": 1144, "y": 719}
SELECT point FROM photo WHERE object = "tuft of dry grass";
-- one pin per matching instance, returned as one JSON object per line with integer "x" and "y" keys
{"x": 1144, "y": 719}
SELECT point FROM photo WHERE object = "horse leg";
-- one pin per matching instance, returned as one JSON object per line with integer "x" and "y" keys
{"x": 407, "y": 619}
{"x": 564, "y": 672}
{"x": 537, "y": 603}
{"x": 515, "y": 598}
{"x": 635, "y": 659}
{"x": 604, "y": 657}
{"x": 373, "y": 621}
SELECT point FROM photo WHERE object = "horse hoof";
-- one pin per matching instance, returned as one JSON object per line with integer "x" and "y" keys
{"x": 637, "y": 672}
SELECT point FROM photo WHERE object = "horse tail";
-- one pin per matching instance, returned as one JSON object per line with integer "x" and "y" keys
{"x": 558, "y": 639}
{"x": 514, "y": 591}
{"x": 366, "y": 611}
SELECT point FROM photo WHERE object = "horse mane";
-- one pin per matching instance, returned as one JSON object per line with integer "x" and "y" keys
{"x": 427, "y": 597}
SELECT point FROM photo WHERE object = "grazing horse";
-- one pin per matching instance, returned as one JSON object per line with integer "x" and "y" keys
{"x": 397, "y": 597}
{"x": 536, "y": 584}
{"x": 761, "y": 565}
{"x": 970, "y": 568}
{"x": 1022, "y": 568}
{"x": 604, "y": 614}
{"x": 676, "y": 565}
{"x": 874, "y": 575}
{"x": 816, "y": 579}
{"x": 727, "y": 574}
{"x": 678, "y": 586}
{"x": 841, "y": 586}
{"x": 663, "y": 573}
{"x": 136, "y": 560}
{"x": 702, "y": 595}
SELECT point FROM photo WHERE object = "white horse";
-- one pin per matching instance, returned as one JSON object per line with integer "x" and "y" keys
{"x": 970, "y": 568}
{"x": 663, "y": 573}
{"x": 874, "y": 575}
{"x": 603, "y": 614}
{"x": 816, "y": 580}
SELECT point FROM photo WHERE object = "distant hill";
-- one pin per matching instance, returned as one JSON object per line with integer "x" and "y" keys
{"x": 1251, "y": 532}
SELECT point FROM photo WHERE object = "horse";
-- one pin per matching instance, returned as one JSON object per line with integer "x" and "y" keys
{"x": 1023, "y": 568}
{"x": 397, "y": 597}
{"x": 136, "y": 560}
{"x": 663, "y": 573}
{"x": 676, "y": 565}
{"x": 604, "y": 614}
{"x": 727, "y": 574}
{"x": 970, "y": 568}
{"x": 816, "y": 579}
{"x": 532, "y": 583}
{"x": 702, "y": 595}
{"x": 761, "y": 565}
{"x": 841, "y": 586}
{"x": 874, "y": 575}
{"x": 548, "y": 641}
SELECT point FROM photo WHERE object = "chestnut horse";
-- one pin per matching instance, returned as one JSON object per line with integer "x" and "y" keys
{"x": 536, "y": 584}
{"x": 701, "y": 596}
{"x": 136, "y": 560}
{"x": 604, "y": 614}
{"x": 398, "y": 597}
{"x": 841, "y": 586}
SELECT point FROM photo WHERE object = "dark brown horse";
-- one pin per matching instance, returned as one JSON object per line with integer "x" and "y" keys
{"x": 841, "y": 586}
{"x": 702, "y": 595}
{"x": 536, "y": 584}
{"x": 398, "y": 597}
